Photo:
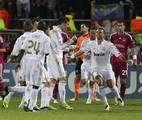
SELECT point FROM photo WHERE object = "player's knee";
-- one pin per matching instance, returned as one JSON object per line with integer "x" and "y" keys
{"x": 83, "y": 81}
{"x": 123, "y": 81}
{"x": 62, "y": 79}
{"x": 78, "y": 76}
{"x": 110, "y": 83}
{"x": 99, "y": 80}
{"x": 91, "y": 84}
{"x": 53, "y": 81}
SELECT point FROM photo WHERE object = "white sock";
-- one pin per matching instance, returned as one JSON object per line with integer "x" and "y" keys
{"x": 115, "y": 89}
{"x": 8, "y": 97}
{"x": 22, "y": 101}
{"x": 44, "y": 92}
{"x": 103, "y": 96}
{"x": 62, "y": 91}
{"x": 35, "y": 105}
{"x": 33, "y": 98}
{"x": 18, "y": 88}
{"x": 50, "y": 95}
{"x": 27, "y": 93}
{"x": 90, "y": 92}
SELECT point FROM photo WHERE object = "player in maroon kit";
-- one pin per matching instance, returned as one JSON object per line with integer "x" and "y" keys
{"x": 122, "y": 41}
{"x": 2, "y": 50}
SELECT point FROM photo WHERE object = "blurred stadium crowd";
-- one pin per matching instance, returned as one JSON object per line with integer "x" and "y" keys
{"x": 14, "y": 12}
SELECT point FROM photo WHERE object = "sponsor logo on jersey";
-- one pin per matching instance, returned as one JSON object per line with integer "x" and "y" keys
{"x": 99, "y": 54}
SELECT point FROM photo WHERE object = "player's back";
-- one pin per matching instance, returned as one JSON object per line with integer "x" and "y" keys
{"x": 36, "y": 45}
{"x": 56, "y": 43}
{"x": 20, "y": 40}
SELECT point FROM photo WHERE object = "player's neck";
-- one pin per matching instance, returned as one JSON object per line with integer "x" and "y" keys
{"x": 121, "y": 33}
{"x": 100, "y": 41}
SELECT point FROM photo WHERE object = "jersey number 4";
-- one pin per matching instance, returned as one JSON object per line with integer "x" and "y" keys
{"x": 33, "y": 47}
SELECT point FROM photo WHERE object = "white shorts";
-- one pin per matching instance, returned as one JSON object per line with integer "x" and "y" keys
{"x": 56, "y": 68}
{"x": 105, "y": 74}
{"x": 85, "y": 71}
{"x": 33, "y": 71}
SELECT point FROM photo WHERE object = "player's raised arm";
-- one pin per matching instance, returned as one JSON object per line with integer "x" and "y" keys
{"x": 76, "y": 54}
{"x": 69, "y": 42}
{"x": 85, "y": 47}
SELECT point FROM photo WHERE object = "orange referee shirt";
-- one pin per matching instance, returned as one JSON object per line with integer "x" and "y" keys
{"x": 79, "y": 42}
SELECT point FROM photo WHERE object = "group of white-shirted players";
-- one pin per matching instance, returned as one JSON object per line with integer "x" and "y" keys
{"x": 39, "y": 54}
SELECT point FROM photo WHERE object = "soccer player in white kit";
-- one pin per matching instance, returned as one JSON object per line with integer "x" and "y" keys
{"x": 86, "y": 70}
{"x": 46, "y": 86}
{"x": 19, "y": 72}
{"x": 101, "y": 51}
{"x": 57, "y": 71}
{"x": 34, "y": 48}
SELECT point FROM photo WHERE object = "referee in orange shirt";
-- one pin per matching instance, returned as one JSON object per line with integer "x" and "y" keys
{"x": 83, "y": 37}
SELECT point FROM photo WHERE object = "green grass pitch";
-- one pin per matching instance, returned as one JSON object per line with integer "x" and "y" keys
{"x": 81, "y": 111}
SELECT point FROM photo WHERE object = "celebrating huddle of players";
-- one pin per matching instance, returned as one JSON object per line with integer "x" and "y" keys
{"x": 39, "y": 55}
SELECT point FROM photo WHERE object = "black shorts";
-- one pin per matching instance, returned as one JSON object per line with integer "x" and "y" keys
{"x": 78, "y": 66}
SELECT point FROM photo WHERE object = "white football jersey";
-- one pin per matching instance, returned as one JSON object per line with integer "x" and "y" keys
{"x": 36, "y": 45}
{"x": 19, "y": 42}
{"x": 101, "y": 53}
{"x": 57, "y": 42}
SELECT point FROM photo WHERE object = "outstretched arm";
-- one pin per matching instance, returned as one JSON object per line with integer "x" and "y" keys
{"x": 11, "y": 58}
{"x": 116, "y": 52}
{"x": 76, "y": 54}
{"x": 121, "y": 57}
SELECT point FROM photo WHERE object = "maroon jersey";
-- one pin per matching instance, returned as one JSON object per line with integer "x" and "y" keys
{"x": 64, "y": 36}
{"x": 1, "y": 47}
{"x": 122, "y": 42}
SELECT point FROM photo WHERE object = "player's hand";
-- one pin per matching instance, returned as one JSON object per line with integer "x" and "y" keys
{"x": 134, "y": 63}
{"x": 55, "y": 28}
{"x": 22, "y": 83}
{"x": 74, "y": 38}
{"x": 72, "y": 47}
{"x": 8, "y": 61}
{"x": 17, "y": 67}
{"x": 130, "y": 62}
{"x": 47, "y": 84}
{"x": 72, "y": 56}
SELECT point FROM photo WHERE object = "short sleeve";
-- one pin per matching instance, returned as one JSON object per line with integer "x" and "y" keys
{"x": 16, "y": 48}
